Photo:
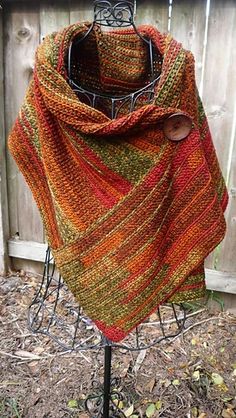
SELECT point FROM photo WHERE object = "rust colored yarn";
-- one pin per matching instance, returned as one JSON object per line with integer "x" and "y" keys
{"x": 129, "y": 214}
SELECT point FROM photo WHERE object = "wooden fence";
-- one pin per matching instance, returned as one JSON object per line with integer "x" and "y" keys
{"x": 207, "y": 28}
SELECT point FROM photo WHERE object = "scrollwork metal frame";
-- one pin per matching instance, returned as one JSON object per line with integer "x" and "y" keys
{"x": 120, "y": 14}
{"x": 44, "y": 317}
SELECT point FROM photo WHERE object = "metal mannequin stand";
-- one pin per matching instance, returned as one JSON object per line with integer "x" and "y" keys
{"x": 118, "y": 15}
{"x": 53, "y": 311}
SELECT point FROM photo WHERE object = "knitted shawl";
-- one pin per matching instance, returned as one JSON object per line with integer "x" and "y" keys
{"x": 129, "y": 214}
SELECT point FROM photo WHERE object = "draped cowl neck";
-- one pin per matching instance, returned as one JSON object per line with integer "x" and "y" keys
{"x": 130, "y": 215}
{"x": 177, "y": 69}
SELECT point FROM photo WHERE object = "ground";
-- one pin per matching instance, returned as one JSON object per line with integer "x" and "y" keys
{"x": 190, "y": 376}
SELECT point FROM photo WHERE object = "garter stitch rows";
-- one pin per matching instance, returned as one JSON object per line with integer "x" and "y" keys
{"x": 130, "y": 215}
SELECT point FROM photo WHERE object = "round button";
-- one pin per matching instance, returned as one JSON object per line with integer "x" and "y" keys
{"x": 177, "y": 126}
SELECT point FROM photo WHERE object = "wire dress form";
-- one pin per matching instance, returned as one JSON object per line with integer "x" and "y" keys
{"x": 119, "y": 15}
{"x": 54, "y": 311}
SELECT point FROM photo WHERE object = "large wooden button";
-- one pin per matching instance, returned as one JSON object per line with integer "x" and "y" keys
{"x": 177, "y": 126}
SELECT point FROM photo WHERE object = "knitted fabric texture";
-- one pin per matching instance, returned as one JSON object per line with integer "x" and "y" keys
{"x": 129, "y": 215}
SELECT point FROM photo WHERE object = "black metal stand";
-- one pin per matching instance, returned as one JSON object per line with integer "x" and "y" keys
{"x": 75, "y": 331}
{"x": 55, "y": 313}
{"x": 107, "y": 381}
{"x": 119, "y": 14}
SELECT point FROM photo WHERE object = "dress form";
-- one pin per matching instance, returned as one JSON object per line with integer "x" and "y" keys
{"x": 43, "y": 320}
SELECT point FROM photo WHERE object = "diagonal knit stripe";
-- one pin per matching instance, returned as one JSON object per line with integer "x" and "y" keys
{"x": 129, "y": 214}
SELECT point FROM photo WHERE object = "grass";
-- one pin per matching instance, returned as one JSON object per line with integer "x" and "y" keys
{"x": 9, "y": 408}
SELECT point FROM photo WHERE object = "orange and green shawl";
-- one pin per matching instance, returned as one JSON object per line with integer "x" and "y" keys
{"x": 129, "y": 215}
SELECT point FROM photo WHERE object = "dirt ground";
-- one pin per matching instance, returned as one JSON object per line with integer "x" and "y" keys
{"x": 190, "y": 376}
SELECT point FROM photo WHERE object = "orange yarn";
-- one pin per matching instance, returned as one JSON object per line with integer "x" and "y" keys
{"x": 130, "y": 215}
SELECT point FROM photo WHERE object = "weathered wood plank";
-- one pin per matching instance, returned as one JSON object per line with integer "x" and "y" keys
{"x": 188, "y": 21}
{"x": 10, "y": 98}
{"x": 220, "y": 98}
{"x": 81, "y": 11}
{"x": 229, "y": 302}
{"x": 153, "y": 13}
{"x": 220, "y": 75}
{"x": 226, "y": 259}
{"x": 28, "y": 250}
{"x": 221, "y": 281}
{"x": 4, "y": 223}
{"x": 21, "y": 40}
{"x": 53, "y": 17}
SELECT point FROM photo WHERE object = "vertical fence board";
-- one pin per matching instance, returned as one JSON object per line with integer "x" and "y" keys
{"x": 53, "y": 16}
{"x": 81, "y": 11}
{"x": 188, "y": 20}
{"x": 21, "y": 39}
{"x": 11, "y": 103}
{"x": 226, "y": 258}
{"x": 218, "y": 93}
{"x": 219, "y": 98}
{"x": 4, "y": 221}
{"x": 153, "y": 13}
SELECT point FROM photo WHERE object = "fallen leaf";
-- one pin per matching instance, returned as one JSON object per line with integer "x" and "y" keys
{"x": 196, "y": 375}
{"x": 194, "y": 412}
{"x": 25, "y": 300}
{"x": 176, "y": 382}
{"x": 167, "y": 383}
{"x": 34, "y": 367}
{"x": 228, "y": 413}
{"x": 212, "y": 360}
{"x": 150, "y": 411}
{"x": 151, "y": 385}
{"x": 118, "y": 403}
{"x": 38, "y": 350}
{"x": 139, "y": 360}
{"x": 125, "y": 366}
{"x": 72, "y": 403}
{"x": 158, "y": 405}
{"x": 129, "y": 411}
{"x": 202, "y": 415}
{"x": 223, "y": 387}
{"x": 183, "y": 365}
{"x": 217, "y": 379}
{"x": 33, "y": 281}
{"x": 227, "y": 399}
{"x": 169, "y": 349}
{"x": 210, "y": 328}
{"x": 153, "y": 317}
